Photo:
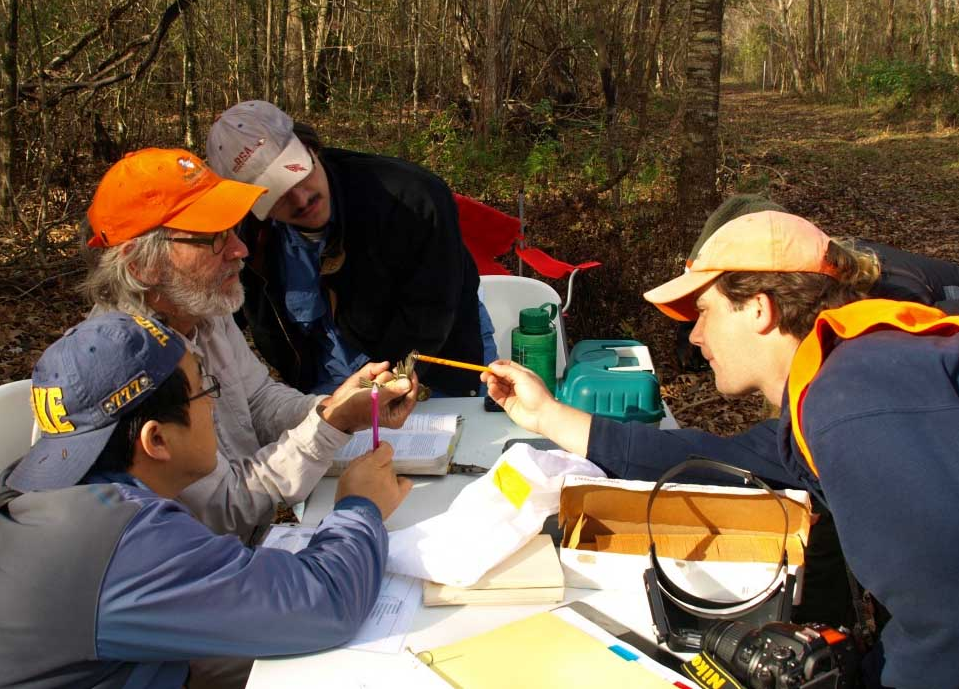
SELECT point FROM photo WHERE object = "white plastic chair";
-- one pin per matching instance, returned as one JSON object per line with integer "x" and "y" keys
{"x": 504, "y": 297}
{"x": 16, "y": 421}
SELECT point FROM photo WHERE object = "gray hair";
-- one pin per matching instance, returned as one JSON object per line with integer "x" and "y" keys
{"x": 110, "y": 284}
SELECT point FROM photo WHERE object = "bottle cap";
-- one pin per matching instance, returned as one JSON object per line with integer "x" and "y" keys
{"x": 534, "y": 321}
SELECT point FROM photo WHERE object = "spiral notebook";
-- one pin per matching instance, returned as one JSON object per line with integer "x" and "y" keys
{"x": 424, "y": 445}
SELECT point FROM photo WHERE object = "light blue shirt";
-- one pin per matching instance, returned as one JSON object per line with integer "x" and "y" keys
{"x": 308, "y": 307}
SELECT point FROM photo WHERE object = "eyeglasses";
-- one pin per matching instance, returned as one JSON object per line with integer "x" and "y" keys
{"x": 216, "y": 242}
{"x": 211, "y": 387}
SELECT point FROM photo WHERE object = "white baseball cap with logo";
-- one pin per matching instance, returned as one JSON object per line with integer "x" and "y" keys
{"x": 253, "y": 142}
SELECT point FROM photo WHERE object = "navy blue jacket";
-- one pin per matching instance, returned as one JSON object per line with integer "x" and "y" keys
{"x": 882, "y": 422}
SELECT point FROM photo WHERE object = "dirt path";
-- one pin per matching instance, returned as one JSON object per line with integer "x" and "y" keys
{"x": 848, "y": 170}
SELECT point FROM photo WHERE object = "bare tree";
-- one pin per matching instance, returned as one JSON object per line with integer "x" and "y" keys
{"x": 191, "y": 126}
{"x": 890, "y": 39}
{"x": 696, "y": 186}
{"x": 8, "y": 118}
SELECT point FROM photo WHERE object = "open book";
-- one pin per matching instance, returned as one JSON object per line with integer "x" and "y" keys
{"x": 424, "y": 445}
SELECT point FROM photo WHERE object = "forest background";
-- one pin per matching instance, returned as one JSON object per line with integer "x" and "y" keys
{"x": 622, "y": 122}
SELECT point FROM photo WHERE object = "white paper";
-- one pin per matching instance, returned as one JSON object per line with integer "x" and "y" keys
{"x": 409, "y": 672}
{"x": 483, "y": 526}
{"x": 385, "y": 629}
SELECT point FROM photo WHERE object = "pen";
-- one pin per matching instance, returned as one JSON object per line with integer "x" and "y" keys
{"x": 450, "y": 362}
{"x": 375, "y": 414}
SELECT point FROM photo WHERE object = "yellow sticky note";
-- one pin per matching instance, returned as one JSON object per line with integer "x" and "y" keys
{"x": 512, "y": 484}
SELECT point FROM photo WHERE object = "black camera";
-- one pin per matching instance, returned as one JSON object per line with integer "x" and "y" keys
{"x": 780, "y": 655}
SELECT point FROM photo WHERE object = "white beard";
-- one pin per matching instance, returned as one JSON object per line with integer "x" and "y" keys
{"x": 193, "y": 295}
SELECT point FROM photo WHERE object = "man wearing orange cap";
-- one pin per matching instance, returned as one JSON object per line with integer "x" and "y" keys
{"x": 870, "y": 421}
{"x": 163, "y": 245}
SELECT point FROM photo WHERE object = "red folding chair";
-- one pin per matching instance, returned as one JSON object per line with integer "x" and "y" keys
{"x": 489, "y": 233}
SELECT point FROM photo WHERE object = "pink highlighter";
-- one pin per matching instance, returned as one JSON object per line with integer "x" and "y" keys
{"x": 375, "y": 415}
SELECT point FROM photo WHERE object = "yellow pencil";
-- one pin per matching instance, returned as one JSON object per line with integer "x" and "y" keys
{"x": 450, "y": 362}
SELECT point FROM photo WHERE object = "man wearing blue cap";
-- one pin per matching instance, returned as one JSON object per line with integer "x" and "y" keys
{"x": 108, "y": 582}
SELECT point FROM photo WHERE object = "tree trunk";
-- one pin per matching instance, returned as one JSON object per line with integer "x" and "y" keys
{"x": 318, "y": 70}
{"x": 235, "y": 26}
{"x": 306, "y": 82}
{"x": 417, "y": 34}
{"x": 191, "y": 126}
{"x": 607, "y": 78}
{"x": 255, "y": 68}
{"x": 282, "y": 23}
{"x": 489, "y": 95}
{"x": 811, "y": 36}
{"x": 935, "y": 34}
{"x": 697, "y": 193}
{"x": 268, "y": 51}
{"x": 890, "y": 47}
{"x": 466, "y": 37}
{"x": 8, "y": 117}
{"x": 789, "y": 41}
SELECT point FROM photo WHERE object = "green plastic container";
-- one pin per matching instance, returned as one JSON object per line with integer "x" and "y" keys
{"x": 534, "y": 342}
{"x": 612, "y": 378}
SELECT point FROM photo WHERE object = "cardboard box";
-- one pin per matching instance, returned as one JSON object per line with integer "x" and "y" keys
{"x": 717, "y": 542}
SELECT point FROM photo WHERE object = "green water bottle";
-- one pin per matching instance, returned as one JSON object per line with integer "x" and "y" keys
{"x": 534, "y": 342}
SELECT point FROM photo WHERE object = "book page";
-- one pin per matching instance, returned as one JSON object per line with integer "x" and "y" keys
{"x": 407, "y": 445}
{"x": 428, "y": 422}
{"x": 423, "y": 437}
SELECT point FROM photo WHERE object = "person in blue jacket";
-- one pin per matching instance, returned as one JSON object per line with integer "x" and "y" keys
{"x": 107, "y": 581}
{"x": 869, "y": 424}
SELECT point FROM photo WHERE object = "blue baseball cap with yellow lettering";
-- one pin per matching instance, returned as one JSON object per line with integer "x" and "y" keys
{"x": 83, "y": 384}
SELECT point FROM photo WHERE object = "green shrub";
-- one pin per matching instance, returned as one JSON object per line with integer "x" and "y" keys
{"x": 903, "y": 84}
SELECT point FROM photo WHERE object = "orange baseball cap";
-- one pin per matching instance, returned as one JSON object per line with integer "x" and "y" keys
{"x": 156, "y": 187}
{"x": 769, "y": 241}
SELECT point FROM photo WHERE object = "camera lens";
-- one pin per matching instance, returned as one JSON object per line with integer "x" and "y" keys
{"x": 722, "y": 641}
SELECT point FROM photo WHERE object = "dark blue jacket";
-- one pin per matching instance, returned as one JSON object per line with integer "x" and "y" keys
{"x": 882, "y": 422}
{"x": 407, "y": 281}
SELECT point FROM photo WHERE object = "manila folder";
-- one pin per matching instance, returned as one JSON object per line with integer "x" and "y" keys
{"x": 539, "y": 652}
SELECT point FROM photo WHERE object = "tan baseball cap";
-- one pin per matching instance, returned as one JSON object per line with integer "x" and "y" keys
{"x": 768, "y": 241}
{"x": 253, "y": 142}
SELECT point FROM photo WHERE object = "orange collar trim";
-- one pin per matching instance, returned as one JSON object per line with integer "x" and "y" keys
{"x": 847, "y": 322}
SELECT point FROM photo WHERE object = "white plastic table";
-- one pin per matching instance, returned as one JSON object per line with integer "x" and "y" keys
{"x": 481, "y": 443}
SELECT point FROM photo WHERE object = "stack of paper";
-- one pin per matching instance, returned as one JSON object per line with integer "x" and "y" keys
{"x": 532, "y": 574}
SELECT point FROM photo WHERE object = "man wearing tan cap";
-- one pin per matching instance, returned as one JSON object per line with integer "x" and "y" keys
{"x": 353, "y": 257}
{"x": 163, "y": 245}
{"x": 870, "y": 421}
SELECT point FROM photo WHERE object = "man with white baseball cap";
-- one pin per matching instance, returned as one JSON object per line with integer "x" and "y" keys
{"x": 869, "y": 424}
{"x": 107, "y": 581}
{"x": 352, "y": 256}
